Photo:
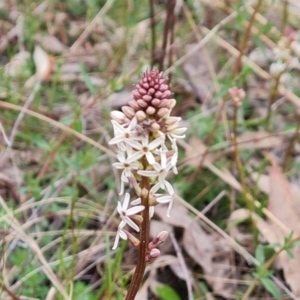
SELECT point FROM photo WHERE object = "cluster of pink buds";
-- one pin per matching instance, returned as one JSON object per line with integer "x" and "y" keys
{"x": 145, "y": 136}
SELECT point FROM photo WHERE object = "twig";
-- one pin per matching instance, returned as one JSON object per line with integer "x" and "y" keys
{"x": 167, "y": 29}
{"x": 153, "y": 32}
{"x": 290, "y": 147}
{"x": 58, "y": 125}
{"x": 9, "y": 292}
{"x": 92, "y": 24}
{"x": 247, "y": 35}
{"x": 182, "y": 263}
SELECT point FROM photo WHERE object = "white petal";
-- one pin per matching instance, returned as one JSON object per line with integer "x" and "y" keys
{"x": 156, "y": 166}
{"x": 178, "y": 136}
{"x": 121, "y": 156}
{"x": 132, "y": 123}
{"x": 154, "y": 144}
{"x": 119, "y": 208}
{"x": 174, "y": 168}
{"x": 163, "y": 159}
{"x": 123, "y": 234}
{"x": 116, "y": 242}
{"x": 164, "y": 199}
{"x": 179, "y": 130}
{"x": 117, "y": 126}
{"x": 136, "y": 156}
{"x": 155, "y": 188}
{"x": 150, "y": 158}
{"x": 116, "y": 140}
{"x": 169, "y": 208}
{"x": 136, "y": 201}
{"x": 151, "y": 212}
{"x": 121, "y": 189}
{"x": 134, "y": 210}
{"x": 134, "y": 144}
{"x": 123, "y": 177}
{"x": 132, "y": 224}
{"x": 118, "y": 165}
{"x": 161, "y": 181}
{"x": 169, "y": 188}
{"x": 174, "y": 158}
{"x": 126, "y": 201}
{"x": 148, "y": 173}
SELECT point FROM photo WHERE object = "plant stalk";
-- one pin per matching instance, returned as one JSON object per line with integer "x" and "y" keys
{"x": 144, "y": 241}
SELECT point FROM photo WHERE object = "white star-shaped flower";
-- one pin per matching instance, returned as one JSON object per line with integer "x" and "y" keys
{"x": 120, "y": 234}
{"x": 123, "y": 134}
{"x": 126, "y": 165}
{"x": 161, "y": 171}
{"x": 177, "y": 133}
{"x": 126, "y": 212}
{"x": 145, "y": 148}
{"x": 162, "y": 199}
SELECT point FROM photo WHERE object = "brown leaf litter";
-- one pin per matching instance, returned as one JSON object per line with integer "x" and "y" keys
{"x": 209, "y": 251}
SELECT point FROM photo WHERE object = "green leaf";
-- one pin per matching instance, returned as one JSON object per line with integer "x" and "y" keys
{"x": 271, "y": 287}
{"x": 260, "y": 254}
{"x": 166, "y": 293}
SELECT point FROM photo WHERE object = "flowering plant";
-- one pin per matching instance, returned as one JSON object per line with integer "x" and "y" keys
{"x": 145, "y": 135}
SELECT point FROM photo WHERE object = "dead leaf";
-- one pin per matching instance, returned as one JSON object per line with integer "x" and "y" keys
{"x": 197, "y": 71}
{"x": 207, "y": 250}
{"x": 284, "y": 204}
{"x": 258, "y": 140}
{"x": 44, "y": 64}
{"x": 50, "y": 43}
{"x": 198, "y": 245}
{"x": 263, "y": 226}
{"x": 195, "y": 151}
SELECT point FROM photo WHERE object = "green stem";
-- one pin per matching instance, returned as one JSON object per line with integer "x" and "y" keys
{"x": 240, "y": 169}
{"x": 288, "y": 152}
{"x": 272, "y": 99}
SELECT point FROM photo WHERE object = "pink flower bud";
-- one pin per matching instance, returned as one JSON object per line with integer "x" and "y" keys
{"x": 136, "y": 94}
{"x": 159, "y": 239}
{"x": 172, "y": 120}
{"x": 172, "y": 103}
{"x": 155, "y": 102}
{"x": 142, "y": 91}
{"x": 155, "y": 126}
{"x": 133, "y": 104}
{"x": 151, "y": 91}
{"x": 133, "y": 240}
{"x": 154, "y": 253}
{"x": 147, "y": 98}
{"x": 142, "y": 103}
{"x": 146, "y": 86}
{"x": 140, "y": 115}
{"x": 162, "y": 112}
{"x": 118, "y": 116}
{"x": 128, "y": 111}
{"x": 166, "y": 94}
{"x": 150, "y": 110}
